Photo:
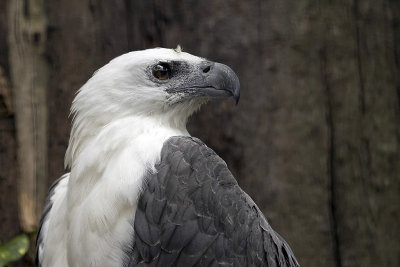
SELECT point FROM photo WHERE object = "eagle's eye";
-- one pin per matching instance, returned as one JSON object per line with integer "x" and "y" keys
{"x": 162, "y": 71}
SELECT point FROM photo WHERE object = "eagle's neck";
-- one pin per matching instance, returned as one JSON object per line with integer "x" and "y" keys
{"x": 106, "y": 177}
{"x": 126, "y": 141}
{"x": 87, "y": 129}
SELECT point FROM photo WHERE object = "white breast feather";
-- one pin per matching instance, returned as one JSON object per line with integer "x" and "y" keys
{"x": 97, "y": 206}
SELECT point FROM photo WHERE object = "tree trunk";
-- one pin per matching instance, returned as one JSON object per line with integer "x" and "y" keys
{"x": 28, "y": 68}
{"x": 8, "y": 164}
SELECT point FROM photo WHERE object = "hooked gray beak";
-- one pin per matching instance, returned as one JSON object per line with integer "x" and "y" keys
{"x": 221, "y": 79}
{"x": 212, "y": 80}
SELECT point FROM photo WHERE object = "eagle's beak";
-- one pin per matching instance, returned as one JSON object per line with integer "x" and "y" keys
{"x": 210, "y": 80}
{"x": 222, "y": 78}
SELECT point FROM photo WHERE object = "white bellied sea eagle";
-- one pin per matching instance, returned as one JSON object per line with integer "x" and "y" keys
{"x": 141, "y": 191}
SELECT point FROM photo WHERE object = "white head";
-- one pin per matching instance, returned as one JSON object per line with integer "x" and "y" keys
{"x": 165, "y": 83}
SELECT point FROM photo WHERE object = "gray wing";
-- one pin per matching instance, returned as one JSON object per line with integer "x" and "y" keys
{"x": 43, "y": 219}
{"x": 192, "y": 212}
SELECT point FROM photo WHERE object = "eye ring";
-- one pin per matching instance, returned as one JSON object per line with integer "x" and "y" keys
{"x": 162, "y": 71}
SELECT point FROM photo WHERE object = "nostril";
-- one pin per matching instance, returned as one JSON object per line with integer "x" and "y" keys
{"x": 207, "y": 69}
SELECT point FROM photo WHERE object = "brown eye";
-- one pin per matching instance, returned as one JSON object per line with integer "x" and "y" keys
{"x": 162, "y": 71}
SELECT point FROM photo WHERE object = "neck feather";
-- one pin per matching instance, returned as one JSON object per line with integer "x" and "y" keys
{"x": 85, "y": 132}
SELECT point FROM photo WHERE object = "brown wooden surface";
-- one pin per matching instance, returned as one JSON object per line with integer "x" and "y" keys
{"x": 8, "y": 166}
{"x": 315, "y": 139}
{"x": 28, "y": 73}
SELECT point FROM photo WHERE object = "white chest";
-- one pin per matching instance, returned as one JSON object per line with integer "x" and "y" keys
{"x": 97, "y": 208}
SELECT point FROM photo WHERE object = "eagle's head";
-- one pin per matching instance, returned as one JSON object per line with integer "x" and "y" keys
{"x": 163, "y": 84}
{"x": 151, "y": 82}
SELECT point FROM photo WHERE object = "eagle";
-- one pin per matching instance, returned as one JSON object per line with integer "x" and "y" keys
{"x": 141, "y": 191}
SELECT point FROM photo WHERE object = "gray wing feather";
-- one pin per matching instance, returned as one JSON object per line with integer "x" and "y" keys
{"x": 192, "y": 212}
{"x": 46, "y": 210}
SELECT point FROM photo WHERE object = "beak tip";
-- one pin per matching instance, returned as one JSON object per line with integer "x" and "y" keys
{"x": 236, "y": 91}
{"x": 236, "y": 98}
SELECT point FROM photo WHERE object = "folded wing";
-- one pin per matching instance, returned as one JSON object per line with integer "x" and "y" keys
{"x": 192, "y": 212}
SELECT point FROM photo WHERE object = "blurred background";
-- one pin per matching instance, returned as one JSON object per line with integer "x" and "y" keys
{"x": 315, "y": 139}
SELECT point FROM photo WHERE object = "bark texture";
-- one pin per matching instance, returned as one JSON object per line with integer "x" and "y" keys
{"x": 8, "y": 164}
{"x": 315, "y": 139}
{"x": 28, "y": 72}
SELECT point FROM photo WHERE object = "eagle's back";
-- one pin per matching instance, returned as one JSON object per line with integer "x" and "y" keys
{"x": 192, "y": 212}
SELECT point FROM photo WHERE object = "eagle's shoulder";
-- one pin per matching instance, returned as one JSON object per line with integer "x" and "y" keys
{"x": 188, "y": 153}
{"x": 192, "y": 212}
{"x": 188, "y": 145}
{"x": 183, "y": 144}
